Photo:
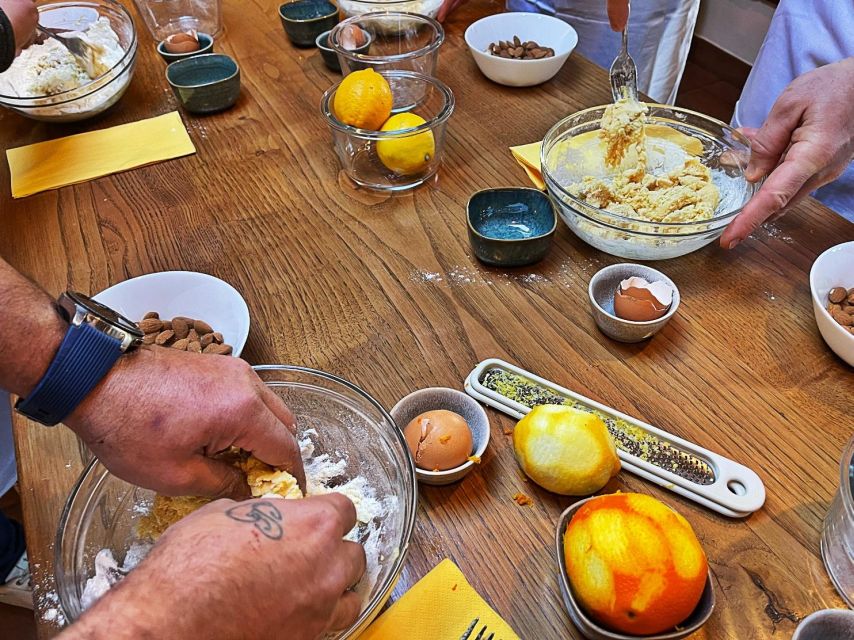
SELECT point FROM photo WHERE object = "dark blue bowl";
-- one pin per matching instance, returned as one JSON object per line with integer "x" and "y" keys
{"x": 205, "y": 46}
{"x": 304, "y": 20}
{"x": 328, "y": 53}
{"x": 206, "y": 83}
{"x": 510, "y": 226}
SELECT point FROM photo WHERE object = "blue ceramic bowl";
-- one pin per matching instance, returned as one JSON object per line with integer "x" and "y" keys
{"x": 328, "y": 53}
{"x": 206, "y": 83}
{"x": 304, "y": 20}
{"x": 511, "y": 226}
{"x": 205, "y": 46}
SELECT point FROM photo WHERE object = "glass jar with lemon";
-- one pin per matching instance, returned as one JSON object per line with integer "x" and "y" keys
{"x": 388, "y": 128}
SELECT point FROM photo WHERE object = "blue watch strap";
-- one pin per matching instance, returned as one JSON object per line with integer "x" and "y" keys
{"x": 84, "y": 358}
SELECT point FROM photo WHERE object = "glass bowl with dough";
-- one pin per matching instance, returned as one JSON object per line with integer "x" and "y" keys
{"x": 45, "y": 82}
{"x": 350, "y": 444}
{"x": 645, "y": 181}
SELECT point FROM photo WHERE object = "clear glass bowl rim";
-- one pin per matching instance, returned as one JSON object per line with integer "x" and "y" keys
{"x": 548, "y": 178}
{"x": 123, "y": 62}
{"x": 437, "y": 42}
{"x": 846, "y": 481}
{"x": 408, "y": 470}
{"x": 441, "y": 117}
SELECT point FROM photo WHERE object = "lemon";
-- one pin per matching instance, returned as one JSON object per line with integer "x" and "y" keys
{"x": 363, "y": 100}
{"x": 408, "y": 154}
{"x": 565, "y": 450}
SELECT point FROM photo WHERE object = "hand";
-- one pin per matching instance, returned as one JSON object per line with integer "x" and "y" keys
{"x": 806, "y": 142}
{"x": 618, "y": 14}
{"x": 24, "y": 16}
{"x": 160, "y": 414}
{"x": 266, "y": 568}
{"x": 447, "y": 7}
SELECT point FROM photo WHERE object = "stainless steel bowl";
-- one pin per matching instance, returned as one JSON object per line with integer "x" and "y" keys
{"x": 724, "y": 150}
{"x": 102, "y": 510}
{"x": 96, "y": 96}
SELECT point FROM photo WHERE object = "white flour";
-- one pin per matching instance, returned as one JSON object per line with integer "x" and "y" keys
{"x": 323, "y": 475}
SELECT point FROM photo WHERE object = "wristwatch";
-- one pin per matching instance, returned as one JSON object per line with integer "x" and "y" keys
{"x": 95, "y": 339}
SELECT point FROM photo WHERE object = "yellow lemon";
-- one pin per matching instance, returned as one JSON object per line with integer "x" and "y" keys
{"x": 363, "y": 100}
{"x": 408, "y": 154}
{"x": 565, "y": 450}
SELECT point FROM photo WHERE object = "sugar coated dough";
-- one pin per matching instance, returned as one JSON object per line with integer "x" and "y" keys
{"x": 685, "y": 194}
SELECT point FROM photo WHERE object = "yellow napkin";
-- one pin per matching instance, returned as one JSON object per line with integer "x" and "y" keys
{"x": 441, "y": 605}
{"x": 56, "y": 163}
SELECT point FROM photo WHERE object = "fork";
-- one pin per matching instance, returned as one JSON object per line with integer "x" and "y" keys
{"x": 480, "y": 636}
{"x": 79, "y": 48}
{"x": 624, "y": 72}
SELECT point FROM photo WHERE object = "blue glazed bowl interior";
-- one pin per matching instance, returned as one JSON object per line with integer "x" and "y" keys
{"x": 201, "y": 70}
{"x": 303, "y": 10}
{"x": 511, "y": 214}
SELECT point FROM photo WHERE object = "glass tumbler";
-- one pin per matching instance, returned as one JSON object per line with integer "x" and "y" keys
{"x": 166, "y": 17}
{"x": 837, "y": 538}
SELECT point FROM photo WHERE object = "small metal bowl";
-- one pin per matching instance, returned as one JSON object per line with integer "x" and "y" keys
{"x": 206, "y": 44}
{"x": 432, "y": 399}
{"x": 510, "y": 226}
{"x": 589, "y": 629}
{"x": 206, "y": 83}
{"x": 603, "y": 286}
{"x": 304, "y": 20}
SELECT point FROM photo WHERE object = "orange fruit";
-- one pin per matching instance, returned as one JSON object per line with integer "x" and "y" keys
{"x": 363, "y": 100}
{"x": 634, "y": 564}
{"x": 565, "y": 450}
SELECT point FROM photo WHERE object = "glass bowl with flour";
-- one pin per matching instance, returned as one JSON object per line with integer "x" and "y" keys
{"x": 45, "y": 82}
{"x": 350, "y": 444}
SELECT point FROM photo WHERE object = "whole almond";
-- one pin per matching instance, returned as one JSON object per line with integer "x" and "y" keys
{"x": 150, "y": 325}
{"x": 831, "y": 307}
{"x": 181, "y": 345}
{"x": 149, "y": 338}
{"x": 207, "y": 339}
{"x": 516, "y": 41}
{"x": 218, "y": 337}
{"x": 843, "y": 318}
{"x": 850, "y": 296}
{"x": 164, "y": 337}
{"x": 181, "y": 327}
{"x": 167, "y": 325}
{"x": 150, "y": 315}
{"x": 202, "y": 327}
{"x": 837, "y": 295}
{"x": 194, "y": 347}
{"x": 218, "y": 349}
{"x": 193, "y": 336}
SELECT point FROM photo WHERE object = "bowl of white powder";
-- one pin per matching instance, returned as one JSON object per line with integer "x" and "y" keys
{"x": 350, "y": 444}
{"x": 45, "y": 82}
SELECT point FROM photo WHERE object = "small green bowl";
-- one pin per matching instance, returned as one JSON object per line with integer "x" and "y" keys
{"x": 205, "y": 46}
{"x": 304, "y": 20}
{"x": 510, "y": 226}
{"x": 206, "y": 83}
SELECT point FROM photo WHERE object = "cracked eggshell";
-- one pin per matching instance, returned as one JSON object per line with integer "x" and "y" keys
{"x": 439, "y": 440}
{"x": 184, "y": 42}
{"x": 637, "y": 300}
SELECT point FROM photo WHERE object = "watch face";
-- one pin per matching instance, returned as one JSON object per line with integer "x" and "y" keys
{"x": 105, "y": 313}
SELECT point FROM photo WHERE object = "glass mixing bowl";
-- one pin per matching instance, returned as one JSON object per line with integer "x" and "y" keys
{"x": 724, "y": 150}
{"x": 101, "y": 511}
{"x": 429, "y": 8}
{"x": 97, "y": 95}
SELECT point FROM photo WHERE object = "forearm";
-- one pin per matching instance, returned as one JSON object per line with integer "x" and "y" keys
{"x": 7, "y": 41}
{"x": 31, "y": 330}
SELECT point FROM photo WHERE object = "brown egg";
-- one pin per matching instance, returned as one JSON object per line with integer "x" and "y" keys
{"x": 352, "y": 37}
{"x": 439, "y": 440}
{"x": 182, "y": 42}
{"x": 639, "y": 301}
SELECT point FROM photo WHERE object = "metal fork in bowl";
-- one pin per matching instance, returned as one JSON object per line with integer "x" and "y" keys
{"x": 481, "y": 634}
{"x": 85, "y": 53}
{"x": 624, "y": 72}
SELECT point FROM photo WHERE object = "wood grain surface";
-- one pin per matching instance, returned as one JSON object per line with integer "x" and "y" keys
{"x": 385, "y": 292}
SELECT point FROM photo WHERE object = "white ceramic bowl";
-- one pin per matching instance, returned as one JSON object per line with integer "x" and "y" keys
{"x": 544, "y": 30}
{"x": 833, "y": 268}
{"x": 435, "y": 398}
{"x": 183, "y": 293}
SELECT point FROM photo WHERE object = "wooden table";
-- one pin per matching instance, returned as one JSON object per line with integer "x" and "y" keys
{"x": 388, "y": 295}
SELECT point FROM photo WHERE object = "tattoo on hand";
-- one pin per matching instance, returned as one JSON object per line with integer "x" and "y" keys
{"x": 264, "y": 516}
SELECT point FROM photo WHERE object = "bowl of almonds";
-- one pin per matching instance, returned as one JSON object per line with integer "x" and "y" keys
{"x": 832, "y": 287}
{"x": 183, "y": 310}
{"x": 520, "y": 49}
